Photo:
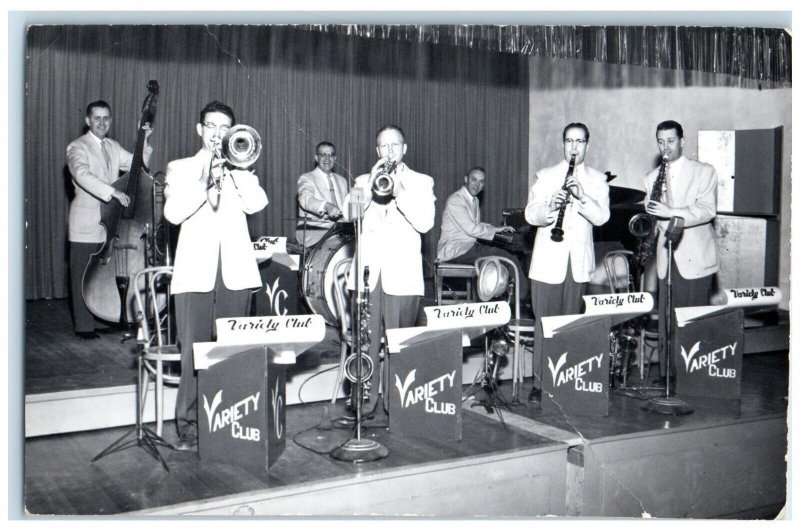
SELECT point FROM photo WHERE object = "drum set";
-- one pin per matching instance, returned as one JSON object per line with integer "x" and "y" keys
{"x": 318, "y": 275}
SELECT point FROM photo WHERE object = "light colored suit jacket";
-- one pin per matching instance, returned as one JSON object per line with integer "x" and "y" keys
{"x": 693, "y": 191}
{"x": 550, "y": 259}
{"x": 313, "y": 191}
{"x": 213, "y": 229}
{"x": 92, "y": 180}
{"x": 390, "y": 243}
{"x": 461, "y": 225}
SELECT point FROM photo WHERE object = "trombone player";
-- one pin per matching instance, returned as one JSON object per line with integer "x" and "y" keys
{"x": 215, "y": 266}
{"x": 398, "y": 209}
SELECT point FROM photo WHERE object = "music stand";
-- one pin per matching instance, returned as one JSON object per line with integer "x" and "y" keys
{"x": 669, "y": 404}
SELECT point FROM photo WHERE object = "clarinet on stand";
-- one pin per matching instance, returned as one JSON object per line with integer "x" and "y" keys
{"x": 358, "y": 450}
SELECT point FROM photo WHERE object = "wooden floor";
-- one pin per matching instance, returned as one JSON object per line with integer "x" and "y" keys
{"x": 61, "y": 479}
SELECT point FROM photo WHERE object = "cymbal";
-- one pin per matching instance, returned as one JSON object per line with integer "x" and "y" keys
{"x": 619, "y": 195}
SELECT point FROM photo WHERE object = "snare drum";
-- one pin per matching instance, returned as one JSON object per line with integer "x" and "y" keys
{"x": 317, "y": 278}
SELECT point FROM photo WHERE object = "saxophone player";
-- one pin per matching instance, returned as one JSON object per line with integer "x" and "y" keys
{"x": 691, "y": 193}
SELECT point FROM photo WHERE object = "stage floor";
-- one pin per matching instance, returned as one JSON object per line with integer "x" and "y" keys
{"x": 723, "y": 460}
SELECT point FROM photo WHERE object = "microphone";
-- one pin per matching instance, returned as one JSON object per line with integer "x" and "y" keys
{"x": 674, "y": 229}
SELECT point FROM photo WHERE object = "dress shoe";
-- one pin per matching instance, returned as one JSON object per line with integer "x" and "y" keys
{"x": 535, "y": 395}
{"x": 187, "y": 443}
{"x": 87, "y": 335}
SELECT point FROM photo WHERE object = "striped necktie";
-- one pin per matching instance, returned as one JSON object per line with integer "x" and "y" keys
{"x": 106, "y": 155}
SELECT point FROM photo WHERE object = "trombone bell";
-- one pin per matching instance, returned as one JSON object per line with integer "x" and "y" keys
{"x": 241, "y": 146}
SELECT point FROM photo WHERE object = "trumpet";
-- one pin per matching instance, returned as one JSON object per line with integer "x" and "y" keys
{"x": 383, "y": 186}
{"x": 241, "y": 146}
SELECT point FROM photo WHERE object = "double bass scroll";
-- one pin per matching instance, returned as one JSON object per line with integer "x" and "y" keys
{"x": 106, "y": 280}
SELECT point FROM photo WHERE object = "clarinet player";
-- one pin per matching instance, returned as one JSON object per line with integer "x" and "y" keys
{"x": 566, "y": 202}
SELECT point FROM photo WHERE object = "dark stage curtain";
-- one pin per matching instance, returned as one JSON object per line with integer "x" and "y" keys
{"x": 458, "y": 107}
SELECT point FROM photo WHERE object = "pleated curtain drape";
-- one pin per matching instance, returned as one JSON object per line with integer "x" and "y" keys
{"x": 458, "y": 108}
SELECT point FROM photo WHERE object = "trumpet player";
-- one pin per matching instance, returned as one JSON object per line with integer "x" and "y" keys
{"x": 691, "y": 193}
{"x": 395, "y": 215}
{"x": 215, "y": 266}
{"x": 560, "y": 270}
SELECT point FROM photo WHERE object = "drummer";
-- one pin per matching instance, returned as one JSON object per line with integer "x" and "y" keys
{"x": 320, "y": 196}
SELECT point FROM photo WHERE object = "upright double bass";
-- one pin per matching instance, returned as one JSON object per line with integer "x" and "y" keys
{"x": 107, "y": 278}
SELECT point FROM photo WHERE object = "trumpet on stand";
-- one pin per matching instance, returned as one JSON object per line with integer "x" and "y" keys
{"x": 358, "y": 450}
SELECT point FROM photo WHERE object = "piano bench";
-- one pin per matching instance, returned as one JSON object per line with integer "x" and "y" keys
{"x": 442, "y": 270}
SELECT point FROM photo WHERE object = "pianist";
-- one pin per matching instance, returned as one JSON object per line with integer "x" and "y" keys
{"x": 462, "y": 228}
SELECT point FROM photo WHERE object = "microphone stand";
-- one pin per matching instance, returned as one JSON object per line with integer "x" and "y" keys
{"x": 358, "y": 450}
{"x": 668, "y": 404}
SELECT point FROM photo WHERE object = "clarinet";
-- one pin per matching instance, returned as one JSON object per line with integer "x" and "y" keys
{"x": 557, "y": 233}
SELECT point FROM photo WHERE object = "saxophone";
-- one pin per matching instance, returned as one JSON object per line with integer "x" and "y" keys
{"x": 557, "y": 233}
{"x": 361, "y": 341}
{"x": 643, "y": 225}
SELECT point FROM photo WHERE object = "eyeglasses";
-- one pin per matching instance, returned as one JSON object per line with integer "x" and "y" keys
{"x": 326, "y": 155}
{"x": 577, "y": 141}
{"x": 210, "y": 126}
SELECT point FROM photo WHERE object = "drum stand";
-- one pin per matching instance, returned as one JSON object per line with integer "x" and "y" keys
{"x": 358, "y": 450}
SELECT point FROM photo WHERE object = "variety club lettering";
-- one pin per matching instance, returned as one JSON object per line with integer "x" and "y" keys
{"x": 265, "y": 243}
{"x": 752, "y": 293}
{"x": 617, "y": 301}
{"x": 230, "y": 416}
{"x": 277, "y": 298}
{"x": 426, "y": 392}
{"x": 576, "y": 373}
{"x": 267, "y": 324}
{"x": 466, "y": 312}
{"x": 709, "y": 360}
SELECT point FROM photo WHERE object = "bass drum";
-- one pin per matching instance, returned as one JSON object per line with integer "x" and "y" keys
{"x": 317, "y": 280}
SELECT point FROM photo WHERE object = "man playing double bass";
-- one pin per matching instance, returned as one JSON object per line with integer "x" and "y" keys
{"x": 95, "y": 162}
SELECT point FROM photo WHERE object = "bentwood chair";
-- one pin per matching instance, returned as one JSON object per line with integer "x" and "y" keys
{"x": 156, "y": 335}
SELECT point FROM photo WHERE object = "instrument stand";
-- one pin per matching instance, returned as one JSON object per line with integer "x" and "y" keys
{"x": 142, "y": 436}
{"x": 486, "y": 381}
{"x": 668, "y": 404}
{"x": 358, "y": 450}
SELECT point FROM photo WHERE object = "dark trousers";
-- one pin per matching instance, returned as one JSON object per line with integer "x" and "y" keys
{"x": 695, "y": 292}
{"x": 386, "y": 311}
{"x": 555, "y": 299}
{"x": 194, "y": 318}
{"x": 479, "y": 250}
{"x": 79, "y": 255}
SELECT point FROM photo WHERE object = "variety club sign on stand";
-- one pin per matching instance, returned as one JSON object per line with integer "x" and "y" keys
{"x": 708, "y": 354}
{"x": 241, "y": 410}
{"x": 242, "y": 386}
